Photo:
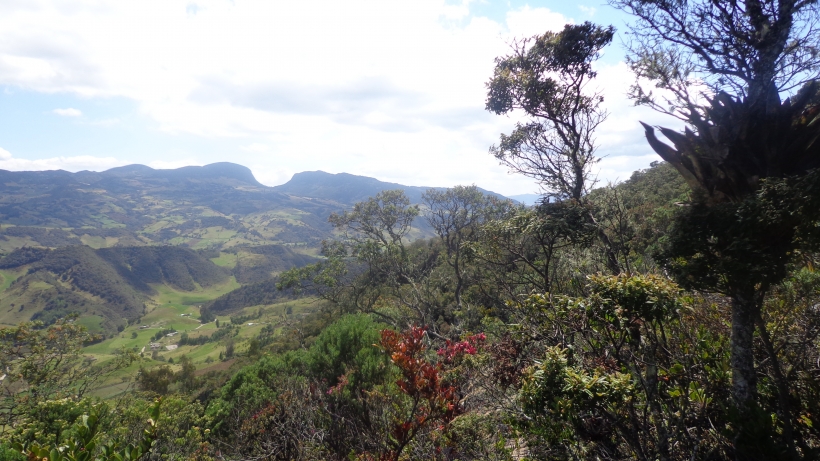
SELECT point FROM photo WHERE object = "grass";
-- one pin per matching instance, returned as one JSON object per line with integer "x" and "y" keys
{"x": 92, "y": 323}
{"x": 94, "y": 241}
{"x": 166, "y": 316}
{"x": 6, "y": 277}
{"x": 168, "y": 295}
{"x": 227, "y": 260}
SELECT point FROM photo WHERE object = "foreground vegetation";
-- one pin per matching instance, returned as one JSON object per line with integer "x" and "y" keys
{"x": 524, "y": 353}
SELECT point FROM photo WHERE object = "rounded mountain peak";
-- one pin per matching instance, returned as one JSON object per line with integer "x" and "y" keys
{"x": 214, "y": 171}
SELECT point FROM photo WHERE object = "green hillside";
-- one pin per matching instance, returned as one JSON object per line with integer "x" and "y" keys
{"x": 218, "y": 206}
{"x": 113, "y": 284}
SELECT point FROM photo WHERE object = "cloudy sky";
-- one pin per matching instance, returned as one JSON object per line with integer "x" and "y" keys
{"x": 392, "y": 89}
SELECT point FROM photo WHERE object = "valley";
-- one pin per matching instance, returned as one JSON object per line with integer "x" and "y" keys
{"x": 151, "y": 260}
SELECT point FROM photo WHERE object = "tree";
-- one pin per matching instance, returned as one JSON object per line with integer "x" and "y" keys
{"x": 229, "y": 348}
{"x": 386, "y": 217}
{"x": 722, "y": 68}
{"x": 375, "y": 234}
{"x": 523, "y": 247}
{"x": 40, "y": 363}
{"x": 186, "y": 374}
{"x": 547, "y": 77}
{"x": 456, "y": 215}
{"x": 156, "y": 380}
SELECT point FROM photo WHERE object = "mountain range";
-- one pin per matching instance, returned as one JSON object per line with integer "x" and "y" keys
{"x": 214, "y": 206}
{"x": 106, "y": 245}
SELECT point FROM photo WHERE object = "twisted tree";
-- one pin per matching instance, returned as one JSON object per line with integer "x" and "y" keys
{"x": 548, "y": 77}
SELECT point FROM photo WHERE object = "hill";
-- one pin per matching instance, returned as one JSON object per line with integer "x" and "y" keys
{"x": 116, "y": 234}
{"x": 113, "y": 284}
{"x": 348, "y": 188}
{"x": 216, "y": 206}
{"x": 199, "y": 207}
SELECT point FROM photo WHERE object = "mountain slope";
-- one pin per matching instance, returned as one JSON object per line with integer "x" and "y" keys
{"x": 112, "y": 283}
{"x": 348, "y": 188}
{"x": 200, "y": 207}
{"x": 214, "y": 206}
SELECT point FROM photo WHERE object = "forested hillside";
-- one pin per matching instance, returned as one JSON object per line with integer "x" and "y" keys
{"x": 111, "y": 283}
{"x": 200, "y": 207}
{"x": 215, "y": 206}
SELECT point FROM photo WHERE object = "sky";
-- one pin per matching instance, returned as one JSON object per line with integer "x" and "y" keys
{"x": 392, "y": 89}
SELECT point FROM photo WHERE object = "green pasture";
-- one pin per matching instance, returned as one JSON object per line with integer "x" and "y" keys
{"x": 97, "y": 241}
{"x": 92, "y": 323}
{"x": 167, "y": 295}
{"x": 94, "y": 241}
{"x": 12, "y": 243}
{"x": 122, "y": 340}
{"x": 227, "y": 260}
{"x": 6, "y": 277}
{"x": 166, "y": 315}
{"x": 107, "y": 222}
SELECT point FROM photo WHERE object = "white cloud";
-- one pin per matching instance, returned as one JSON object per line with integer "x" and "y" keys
{"x": 271, "y": 176}
{"x": 588, "y": 10}
{"x": 619, "y": 168}
{"x": 527, "y": 21}
{"x": 393, "y": 89}
{"x": 69, "y": 112}
{"x": 72, "y": 163}
{"x": 256, "y": 148}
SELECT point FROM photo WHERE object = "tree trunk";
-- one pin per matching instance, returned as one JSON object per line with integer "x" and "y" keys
{"x": 783, "y": 396}
{"x": 744, "y": 379}
{"x": 611, "y": 257}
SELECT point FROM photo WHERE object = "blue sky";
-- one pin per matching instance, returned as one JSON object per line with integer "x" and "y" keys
{"x": 392, "y": 89}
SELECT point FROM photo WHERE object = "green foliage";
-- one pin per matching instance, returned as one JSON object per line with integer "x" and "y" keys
{"x": 457, "y": 215}
{"x": 524, "y": 81}
{"x": 633, "y": 346}
{"x": 527, "y": 243}
{"x": 559, "y": 397}
{"x": 255, "y": 294}
{"x": 266, "y": 260}
{"x": 156, "y": 380}
{"x": 386, "y": 217}
{"x": 85, "y": 442}
{"x": 624, "y": 301}
{"x": 227, "y": 331}
{"x": 346, "y": 351}
{"x": 162, "y": 333}
{"x": 240, "y": 319}
{"x": 43, "y": 364}
{"x": 9, "y": 454}
{"x": 738, "y": 246}
{"x": 51, "y": 420}
{"x": 372, "y": 260}
{"x": 182, "y": 427}
{"x": 638, "y": 214}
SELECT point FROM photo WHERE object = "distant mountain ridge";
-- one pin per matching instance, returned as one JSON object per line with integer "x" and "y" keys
{"x": 213, "y": 206}
{"x": 348, "y": 188}
{"x": 214, "y": 171}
